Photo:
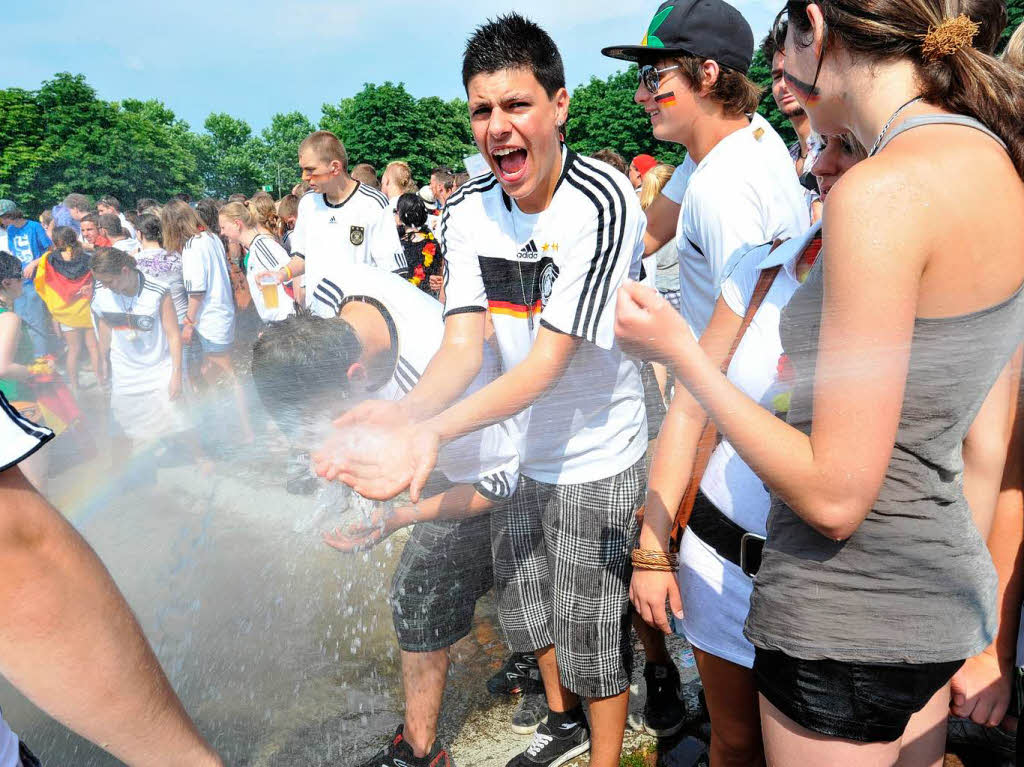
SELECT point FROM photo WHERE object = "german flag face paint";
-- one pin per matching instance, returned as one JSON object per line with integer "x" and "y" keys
{"x": 666, "y": 99}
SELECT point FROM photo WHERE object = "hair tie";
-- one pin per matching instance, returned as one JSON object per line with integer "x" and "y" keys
{"x": 949, "y": 37}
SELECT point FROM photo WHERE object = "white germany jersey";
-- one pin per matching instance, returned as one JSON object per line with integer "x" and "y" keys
{"x": 268, "y": 255}
{"x": 204, "y": 269}
{"x": 358, "y": 230}
{"x": 561, "y": 269}
{"x": 19, "y": 438}
{"x": 140, "y": 357}
{"x": 485, "y": 458}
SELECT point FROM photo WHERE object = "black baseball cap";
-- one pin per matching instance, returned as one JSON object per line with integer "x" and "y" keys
{"x": 708, "y": 29}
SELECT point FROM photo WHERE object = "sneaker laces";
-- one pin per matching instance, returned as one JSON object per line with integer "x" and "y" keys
{"x": 540, "y": 740}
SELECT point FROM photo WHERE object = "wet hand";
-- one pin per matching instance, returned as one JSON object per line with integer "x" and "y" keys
{"x": 646, "y": 325}
{"x": 361, "y": 536}
{"x": 649, "y": 591}
{"x": 381, "y": 464}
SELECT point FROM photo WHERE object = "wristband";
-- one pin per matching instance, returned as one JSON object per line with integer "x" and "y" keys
{"x": 288, "y": 272}
{"x": 658, "y": 561}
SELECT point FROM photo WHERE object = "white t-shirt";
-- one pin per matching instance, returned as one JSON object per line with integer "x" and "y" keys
{"x": 560, "y": 268}
{"x": 127, "y": 225}
{"x": 19, "y": 437}
{"x": 129, "y": 245}
{"x": 715, "y": 592}
{"x": 358, "y": 230}
{"x": 744, "y": 193}
{"x": 140, "y": 356}
{"x": 267, "y": 255}
{"x": 166, "y": 268}
{"x": 204, "y": 268}
{"x": 486, "y": 458}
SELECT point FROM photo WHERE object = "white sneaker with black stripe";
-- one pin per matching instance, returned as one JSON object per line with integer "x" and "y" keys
{"x": 554, "y": 745}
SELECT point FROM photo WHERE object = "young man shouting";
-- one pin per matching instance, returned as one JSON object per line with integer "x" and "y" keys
{"x": 541, "y": 243}
{"x": 374, "y": 335}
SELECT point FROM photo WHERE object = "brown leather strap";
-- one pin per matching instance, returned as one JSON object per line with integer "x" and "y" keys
{"x": 709, "y": 436}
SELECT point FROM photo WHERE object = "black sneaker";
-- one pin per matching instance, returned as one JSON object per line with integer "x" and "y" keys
{"x": 518, "y": 668}
{"x": 399, "y": 753}
{"x": 554, "y": 746}
{"x": 531, "y": 711}
{"x": 663, "y": 710}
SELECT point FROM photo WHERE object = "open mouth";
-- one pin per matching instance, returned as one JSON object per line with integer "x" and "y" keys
{"x": 511, "y": 162}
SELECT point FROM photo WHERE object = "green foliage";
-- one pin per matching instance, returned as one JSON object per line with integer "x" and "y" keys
{"x": 602, "y": 115}
{"x": 230, "y": 157}
{"x": 1015, "y": 12}
{"x": 280, "y": 149}
{"x": 383, "y": 123}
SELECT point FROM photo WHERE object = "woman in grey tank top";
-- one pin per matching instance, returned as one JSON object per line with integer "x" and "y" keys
{"x": 876, "y": 583}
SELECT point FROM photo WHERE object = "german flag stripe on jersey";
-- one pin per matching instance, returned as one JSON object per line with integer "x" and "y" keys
{"x": 514, "y": 310}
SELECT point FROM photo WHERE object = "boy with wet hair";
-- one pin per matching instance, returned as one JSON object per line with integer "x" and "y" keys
{"x": 541, "y": 244}
{"x": 344, "y": 219}
{"x": 373, "y": 335}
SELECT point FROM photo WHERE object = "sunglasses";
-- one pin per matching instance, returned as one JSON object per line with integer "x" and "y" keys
{"x": 649, "y": 76}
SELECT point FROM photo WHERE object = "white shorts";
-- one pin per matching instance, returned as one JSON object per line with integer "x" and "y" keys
{"x": 148, "y": 415}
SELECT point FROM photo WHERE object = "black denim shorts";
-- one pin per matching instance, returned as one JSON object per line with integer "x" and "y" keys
{"x": 857, "y": 701}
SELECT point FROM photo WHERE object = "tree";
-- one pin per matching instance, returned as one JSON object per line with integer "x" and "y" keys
{"x": 1015, "y": 13}
{"x": 230, "y": 158}
{"x": 447, "y": 138}
{"x": 281, "y": 141}
{"x": 602, "y": 114}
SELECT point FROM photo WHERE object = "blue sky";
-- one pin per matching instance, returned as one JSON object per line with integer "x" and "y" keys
{"x": 257, "y": 57}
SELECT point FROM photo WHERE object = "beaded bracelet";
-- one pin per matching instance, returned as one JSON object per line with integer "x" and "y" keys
{"x": 658, "y": 561}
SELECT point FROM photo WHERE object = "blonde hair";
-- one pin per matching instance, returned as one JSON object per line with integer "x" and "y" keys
{"x": 326, "y": 146}
{"x": 180, "y": 223}
{"x": 1014, "y": 53}
{"x": 237, "y": 211}
{"x": 400, "y": 175}
{"x": 264, "y": 211}
{"x": 654, "y": 181}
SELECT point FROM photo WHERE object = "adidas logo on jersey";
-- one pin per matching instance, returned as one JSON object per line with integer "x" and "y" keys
{"x": 529, "y": 252}
{"x": 333, "y": 220}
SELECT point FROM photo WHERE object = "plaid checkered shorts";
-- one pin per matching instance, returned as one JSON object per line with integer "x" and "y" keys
{"x": 561, "y": 572}
{"x": 445, "y": 567}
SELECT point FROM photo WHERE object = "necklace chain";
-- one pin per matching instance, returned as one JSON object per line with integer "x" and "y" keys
{"x": 888, "y": 125}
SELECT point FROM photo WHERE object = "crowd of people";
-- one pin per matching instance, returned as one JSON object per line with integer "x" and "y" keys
{"x": 816, "y": 349}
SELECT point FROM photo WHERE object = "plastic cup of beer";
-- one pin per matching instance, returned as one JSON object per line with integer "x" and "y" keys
{"x": 268, "y": 284}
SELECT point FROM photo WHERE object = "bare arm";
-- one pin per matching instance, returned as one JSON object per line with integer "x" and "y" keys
{"x": 10, "y": 330}
{"x": 459, "y": 502}
{"x": 662, "y": 217}
{"x": 452, "y": 369}
{"x": 982, "y": 688}
{"x": 70, "y": 642}
{"x": 104, "y": 340}
{"x": 169, "y": 320}
{"x": 832, "y": 477}
{"x": 676, "y": 452}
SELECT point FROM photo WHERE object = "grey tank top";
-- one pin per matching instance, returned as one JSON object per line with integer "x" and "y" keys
{"x": 915, "y": 583}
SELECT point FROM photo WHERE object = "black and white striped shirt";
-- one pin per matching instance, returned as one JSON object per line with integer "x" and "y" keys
{"x": 559, "y": 269}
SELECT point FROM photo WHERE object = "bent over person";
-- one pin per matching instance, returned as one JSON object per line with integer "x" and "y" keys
{"x": 374, "y": 335}
{"x": 541, "y": 244}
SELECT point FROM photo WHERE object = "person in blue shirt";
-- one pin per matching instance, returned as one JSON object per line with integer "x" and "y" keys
{"x": 28, "y": 241}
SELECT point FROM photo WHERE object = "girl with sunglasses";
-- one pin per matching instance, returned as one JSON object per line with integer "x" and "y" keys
{"x": 875, "y": 584}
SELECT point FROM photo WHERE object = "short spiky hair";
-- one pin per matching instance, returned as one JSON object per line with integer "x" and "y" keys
{"x": 514, "y": 42}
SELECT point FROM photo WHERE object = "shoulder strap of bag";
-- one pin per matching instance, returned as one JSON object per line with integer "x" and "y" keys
{"x": 709, "y": 436}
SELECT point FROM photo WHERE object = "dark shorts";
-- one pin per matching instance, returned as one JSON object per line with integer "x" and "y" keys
{"x": 856, "y": 701}
{"x": 445, "y": 567}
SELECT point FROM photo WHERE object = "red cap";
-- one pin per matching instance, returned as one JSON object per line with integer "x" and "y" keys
{"x": 643, "y": 163}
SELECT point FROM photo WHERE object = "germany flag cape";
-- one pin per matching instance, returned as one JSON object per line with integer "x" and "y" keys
{"x": 66, "y": 298}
